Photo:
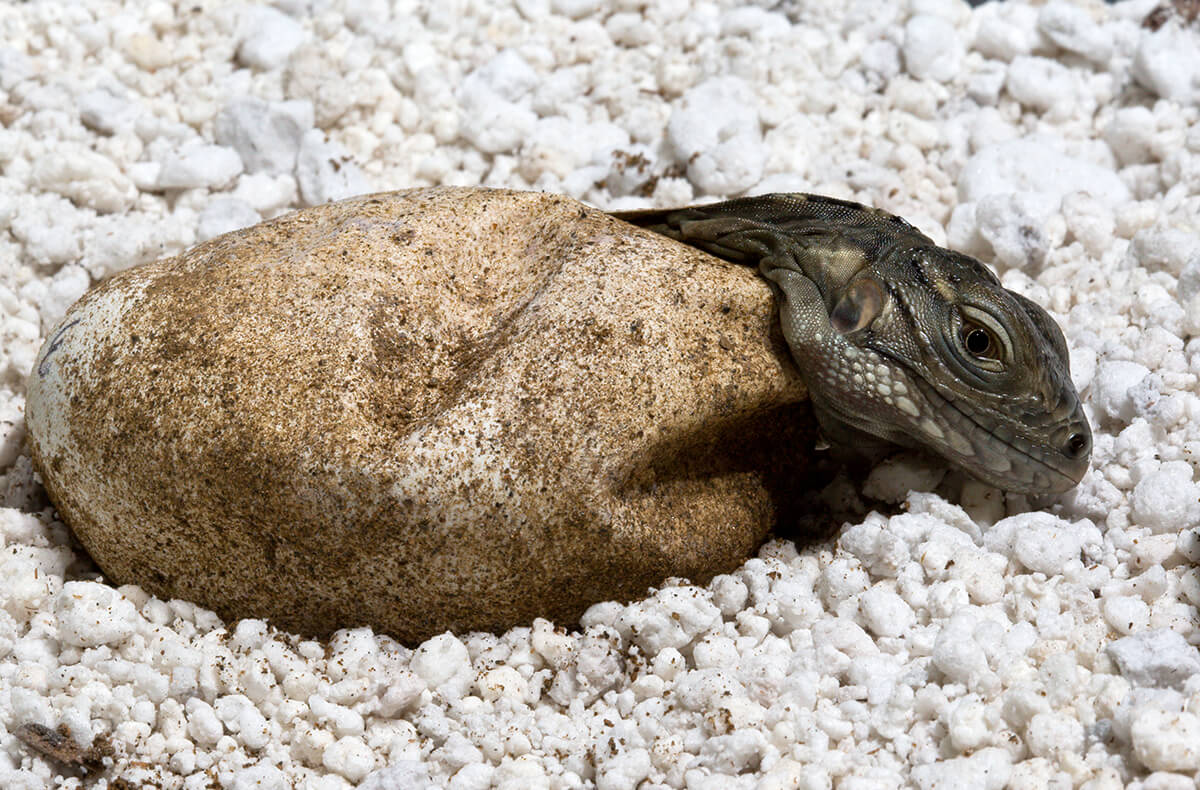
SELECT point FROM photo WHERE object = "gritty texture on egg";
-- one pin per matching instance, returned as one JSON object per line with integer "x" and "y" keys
{"x": 995, "y": 642}
{"x": 443, "y": 409}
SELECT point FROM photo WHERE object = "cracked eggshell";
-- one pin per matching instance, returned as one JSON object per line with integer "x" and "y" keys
{"x": 439, "y": 409}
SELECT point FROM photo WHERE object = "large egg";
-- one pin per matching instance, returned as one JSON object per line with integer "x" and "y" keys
{"x": 427, "y": 410}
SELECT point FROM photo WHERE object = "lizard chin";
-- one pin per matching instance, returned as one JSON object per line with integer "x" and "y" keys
{"x": 1047, "y": 453}
{"x": 1009, "y": 455}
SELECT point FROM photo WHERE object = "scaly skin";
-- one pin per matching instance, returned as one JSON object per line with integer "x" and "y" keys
{"x": 903, "y": 340}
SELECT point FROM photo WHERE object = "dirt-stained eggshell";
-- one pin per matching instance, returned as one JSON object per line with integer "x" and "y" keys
{"x": 447, "y": 408}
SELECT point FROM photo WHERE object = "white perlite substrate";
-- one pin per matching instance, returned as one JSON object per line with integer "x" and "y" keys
{"x": 996, "y": 643}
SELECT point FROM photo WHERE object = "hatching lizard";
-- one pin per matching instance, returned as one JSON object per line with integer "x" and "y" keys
{"x": 902, "y": 340}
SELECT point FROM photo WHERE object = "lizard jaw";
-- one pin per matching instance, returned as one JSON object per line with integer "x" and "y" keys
{"x": 989, "y": 449}
{"x": 864, "y": 391}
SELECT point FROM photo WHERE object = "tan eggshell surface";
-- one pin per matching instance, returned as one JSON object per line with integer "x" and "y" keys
{"x": 448, "y": 408}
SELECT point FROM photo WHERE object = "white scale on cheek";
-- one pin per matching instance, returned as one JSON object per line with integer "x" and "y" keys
{"x": 876, "y": 378}
{"x": 906, "y": 405}
{"x": 851, "y": 366}
{"x": 873, "y": 382}
{"x": 959, "y": 444}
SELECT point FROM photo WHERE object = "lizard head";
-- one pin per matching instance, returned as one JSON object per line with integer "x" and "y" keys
{"x": 902, "y": 340}
{"x": 936, "y": 354}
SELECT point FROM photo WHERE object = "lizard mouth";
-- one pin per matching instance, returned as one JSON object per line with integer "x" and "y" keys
{"x": 1003, "y": 458}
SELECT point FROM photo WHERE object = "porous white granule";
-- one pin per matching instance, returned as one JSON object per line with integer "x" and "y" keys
{"x": 998, "y": 642}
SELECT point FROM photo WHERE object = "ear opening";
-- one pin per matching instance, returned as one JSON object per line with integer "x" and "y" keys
{"x": 858, "y": 307}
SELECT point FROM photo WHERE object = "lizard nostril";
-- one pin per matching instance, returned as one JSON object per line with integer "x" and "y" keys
{"x": 1077, "y": 445}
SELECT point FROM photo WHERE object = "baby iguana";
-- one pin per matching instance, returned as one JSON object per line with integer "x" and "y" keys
{"x": 902, "y": 340}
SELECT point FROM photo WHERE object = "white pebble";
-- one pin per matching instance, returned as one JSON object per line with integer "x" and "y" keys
{"x": 457, "y": 751}
{"x": 146, "y": 51}
{"x": 729, "y": 593}
{"x": 1021, "y": 228}
{"x": 477, "y": 776}
{"x": 89, "y": 179}
{"x": 881, "y": 57}
{"x": 1072, "y": 28}
{"x": 1189, "y": 281}
{"x": 349, "y": 757}
{"x": 1041, "y": 84}
{"x": 576, "y": 9}
{"x": 1036, "y": 165}
{"x": 842, "y": 579}
{"x": 265, "y": 135}
{"x": 442, "y": 660}
{"x": 714, "y": 131}
{"x": 714, "y": 651}
{"x": 1006, "y": 31}
{"x": 1168, "y": 64}
{"x": 403, "y": 692}
{"x": 630, "y": 29}
{"x": 259, "y": 777}
{"x": 796, "y": 604}
{"x": 325, "y": 172}
{"x": 1167, "y": 500}
{"x": 266, "y": 193}
{"x": 1054, "y": 735}
{"x": 672, "y": 618}
{"x": 1165, "y": 740}
{"x": 203, "y": 724}
{"x": 932, "y": 49}
{"x": 199, "y": 165}
{"x": 885, "y": 613}
{"x": 267, "y": 37}
{"x": 957, "y": 654}
{"x": 984, "y": 85}
{"x": 556, "y": 647}
{"x": 626, "y": 770}
{"x": 104, "y": 111}
{"x": 340, "y": 719}
{"x": 1165, "y": 249}
{"x": 1160, "y": 658}
{"x": 1188, "y": 544}
{"x": 1111, "y": 388}
{"x": 560, "y": 146}
{"x": 494, "y": 116}
{"x": 33, "y": 577}
{"x": 242, "y": 718}
{"x": 50, "y": 229}
{"x": 1131, "y": 135}
{"x": 1044, "y": 543}
{"x": 12, "y": 430}
{"x": 899, "y": 475}
{"x": 986, "y": 769}
{"x": 1127, "y": 614}
{"x": 1091, "y": 222}
{"x": 224, "y": 214}
{"x": 91, "y": 614}
{"x": 68, "y": 284}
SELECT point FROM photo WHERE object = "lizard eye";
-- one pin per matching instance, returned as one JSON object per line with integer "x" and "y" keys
{"x": 979, "y": 342}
